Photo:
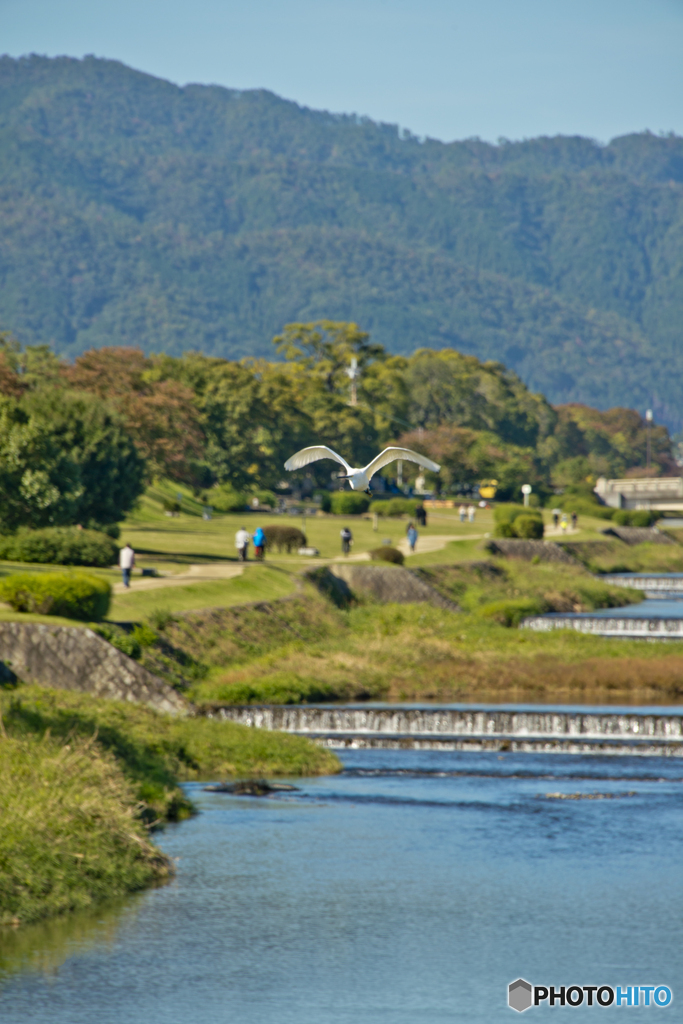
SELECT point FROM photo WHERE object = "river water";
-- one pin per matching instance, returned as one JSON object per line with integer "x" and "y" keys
{"x": 410, "y": 889}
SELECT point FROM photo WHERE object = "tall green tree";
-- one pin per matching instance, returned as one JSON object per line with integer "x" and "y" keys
{"x": 65, "y": 458}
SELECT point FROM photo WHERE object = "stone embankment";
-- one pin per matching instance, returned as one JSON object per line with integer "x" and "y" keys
{"x": 73, "y": 658}
{"x": 638, "y": 535}
{"x": 387, "y": 583}
{"x": 543, "y": 550}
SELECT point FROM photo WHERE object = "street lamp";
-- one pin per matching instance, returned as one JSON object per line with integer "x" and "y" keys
{"x": 526, "y": 491}
{"x": 648, "y": 417}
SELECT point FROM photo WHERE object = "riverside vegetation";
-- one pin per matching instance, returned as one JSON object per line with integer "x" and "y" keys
{"x": 83, "y": 782}
{"x": 307, "y": 649}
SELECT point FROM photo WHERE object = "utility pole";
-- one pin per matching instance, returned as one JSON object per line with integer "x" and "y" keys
{"x": 354, "y": 374}
{"x": 648, "y": 418}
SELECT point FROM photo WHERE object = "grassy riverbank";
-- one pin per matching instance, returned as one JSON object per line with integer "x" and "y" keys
{"x": 306, "y": 649}
{"x": 83, "y": 780}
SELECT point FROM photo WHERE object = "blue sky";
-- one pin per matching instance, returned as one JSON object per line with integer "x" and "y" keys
{"x": 445, "y": 68}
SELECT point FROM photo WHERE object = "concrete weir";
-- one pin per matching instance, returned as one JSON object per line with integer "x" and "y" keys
{"x": 629, "y": 627}
{"x": 434, "y": 728}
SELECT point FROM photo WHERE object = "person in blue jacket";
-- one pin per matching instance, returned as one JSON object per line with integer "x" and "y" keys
{"x": 259, "y": 543}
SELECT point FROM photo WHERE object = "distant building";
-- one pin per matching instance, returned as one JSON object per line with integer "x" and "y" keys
{"x": 662, "y": 494}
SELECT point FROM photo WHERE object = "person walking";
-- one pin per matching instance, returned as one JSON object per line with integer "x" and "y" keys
{"x": 242, "y": 538}
{"x": 346, "y": 539}
{"x": 412, "y": 536}
{"x": 564, "y": 522}
{"x": 421, "y": 515}
{"x": 462, "y": 512}
{"x": 470, "y": 513}
{"x": 575, "y": 519}
{"x": 126, "y": 563}
{"x": 259, "y": 543}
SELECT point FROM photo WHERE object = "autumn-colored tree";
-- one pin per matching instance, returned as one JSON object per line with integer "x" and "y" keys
{"x": 160, "y": 415}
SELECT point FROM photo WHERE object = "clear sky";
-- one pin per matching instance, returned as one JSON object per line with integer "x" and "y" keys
{"x": 445, "y": 68}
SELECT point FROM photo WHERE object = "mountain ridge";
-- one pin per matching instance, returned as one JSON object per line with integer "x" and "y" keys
{"x": 138, "y": 211}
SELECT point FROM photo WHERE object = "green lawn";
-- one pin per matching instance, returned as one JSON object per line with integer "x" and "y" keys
{"x": 258, "y": 583}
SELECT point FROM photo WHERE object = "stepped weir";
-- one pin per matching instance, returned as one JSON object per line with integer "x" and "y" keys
{"x": 447, "y": 728}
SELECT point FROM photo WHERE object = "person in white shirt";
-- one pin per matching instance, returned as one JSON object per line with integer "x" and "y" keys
{"x": 242, "y": 539}
{"x": 126, "y": 563}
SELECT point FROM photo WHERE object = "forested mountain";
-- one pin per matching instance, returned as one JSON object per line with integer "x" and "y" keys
{"x": 136, "y": 212}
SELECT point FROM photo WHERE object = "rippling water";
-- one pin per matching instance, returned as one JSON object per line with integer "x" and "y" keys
{"x": 411, "y": 888}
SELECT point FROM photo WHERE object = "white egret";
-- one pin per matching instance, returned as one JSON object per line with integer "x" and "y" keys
{"x": 357, "y": 477}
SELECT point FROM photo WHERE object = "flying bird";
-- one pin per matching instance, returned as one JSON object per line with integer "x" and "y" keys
{"x": 357, "y": 477}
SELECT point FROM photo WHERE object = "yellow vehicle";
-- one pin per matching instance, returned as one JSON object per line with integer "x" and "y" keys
{"x": 488, "y": 488}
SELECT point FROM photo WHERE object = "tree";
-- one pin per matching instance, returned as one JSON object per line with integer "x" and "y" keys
{"x": 468, "y": 456}
{"x": 160, "y": 414}
{"x": 449, "y": 387}
{"x": 65, "y": 458}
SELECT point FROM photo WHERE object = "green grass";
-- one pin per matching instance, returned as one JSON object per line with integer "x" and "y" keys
{"x": 258, "y": 583}
{"x": 82, "y": 779}
{"x": 417, "y": 652}
{"x": 189, "y": 538}
{"x": 70, "y": 833}
{"x": 611, "y": 555}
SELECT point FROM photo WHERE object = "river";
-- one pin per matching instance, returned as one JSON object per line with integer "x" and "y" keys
{"x": 410, "y": 889}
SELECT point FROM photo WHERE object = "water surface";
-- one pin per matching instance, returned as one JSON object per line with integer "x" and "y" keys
{"x": 408, "y": 890}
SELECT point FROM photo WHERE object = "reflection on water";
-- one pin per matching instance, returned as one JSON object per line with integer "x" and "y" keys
{"x": 45, "y": 946}
{"x": 409, "y": 890}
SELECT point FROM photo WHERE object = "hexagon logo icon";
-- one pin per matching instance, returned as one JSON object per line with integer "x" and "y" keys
{"x": 519, "y": 995}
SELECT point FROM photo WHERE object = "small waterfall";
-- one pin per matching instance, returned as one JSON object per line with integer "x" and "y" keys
{"x": 668, "y": 584}
{"x": 651, "y": 628}
{"x": 472, "y": 729}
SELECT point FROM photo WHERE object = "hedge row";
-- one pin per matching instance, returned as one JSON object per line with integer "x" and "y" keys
{"x": 72, "y": 595}
{"x": 60, "y": 546}
{"x": 396, "y": 507}
{"x": 288, "y": 537}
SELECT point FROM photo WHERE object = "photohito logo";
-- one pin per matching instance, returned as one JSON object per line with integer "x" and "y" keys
{"x": 522, "y": 995}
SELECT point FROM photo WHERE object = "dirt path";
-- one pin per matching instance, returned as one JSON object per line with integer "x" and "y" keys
{"x": 434, "y": 542}
{"x": 194, "y": 574}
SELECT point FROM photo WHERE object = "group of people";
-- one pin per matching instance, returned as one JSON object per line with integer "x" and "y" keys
{"x": 467, "y": 511}
{"x": 243, "y": 539}
{"x": 561, "y": 519}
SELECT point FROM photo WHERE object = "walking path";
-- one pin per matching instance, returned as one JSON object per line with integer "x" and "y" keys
{"x": 434, "y": 542}
{"x": 194, "y": 574}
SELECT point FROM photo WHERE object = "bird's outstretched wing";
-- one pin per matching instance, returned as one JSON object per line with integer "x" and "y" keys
{"x": 308, "y": 455}
{"x": 390, "y": 454}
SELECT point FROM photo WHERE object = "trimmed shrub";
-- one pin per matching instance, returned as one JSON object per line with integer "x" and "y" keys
{"x": 325, "y": 500}
{"x": 73, "y": 595}
{"x": 634, "y": 517}
{"x": 172, "y": 506}
{"x": 396, "y": 507}
{"x": 507, "y": 518}
{"x": 507, "y": 513}
{"x": 287, "y": 537}
{"x": 528, "y": 527}
{"x": 387, "y": 554}
{"x": 349, "y": 503}
{"x": 60, "y": 546}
